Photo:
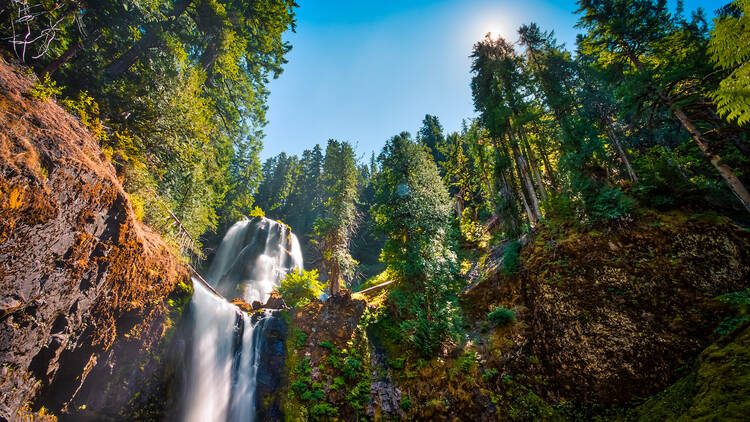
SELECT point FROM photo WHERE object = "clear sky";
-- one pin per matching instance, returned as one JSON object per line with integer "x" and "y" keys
{"x": 363, "y": 71}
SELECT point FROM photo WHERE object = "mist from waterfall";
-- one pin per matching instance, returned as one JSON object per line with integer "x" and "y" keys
{"x": 252, "y": 258}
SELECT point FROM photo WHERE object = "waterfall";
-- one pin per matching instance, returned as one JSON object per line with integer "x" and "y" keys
{"x": 253, "y": 256}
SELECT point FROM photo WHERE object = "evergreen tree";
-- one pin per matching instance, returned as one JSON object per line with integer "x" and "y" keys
{"x": 339, "y": 221}
{"x": 642, "y": 38}
{"x": 431, "y": 136}
{"x": 413, "y": 210}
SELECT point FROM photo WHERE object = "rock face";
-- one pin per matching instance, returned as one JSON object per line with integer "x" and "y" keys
{"x": 602, "y": 318}
{"x": 84, "y": 287}
{"x": 269, "y": 376}
{"x": 327, "y": 372}
{"x": 613, "y": 317}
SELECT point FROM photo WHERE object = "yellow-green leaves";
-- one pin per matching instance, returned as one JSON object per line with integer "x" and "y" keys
{"x": 730, "y": 50}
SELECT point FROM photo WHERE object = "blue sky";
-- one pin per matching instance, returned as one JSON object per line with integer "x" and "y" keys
{"x": 364, "y": 71}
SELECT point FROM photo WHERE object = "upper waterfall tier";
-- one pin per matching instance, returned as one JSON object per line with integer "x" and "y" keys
{"x": 253, "y": 257}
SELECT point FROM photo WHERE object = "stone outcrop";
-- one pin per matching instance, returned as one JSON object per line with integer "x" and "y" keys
{"x": 87, "y": 293}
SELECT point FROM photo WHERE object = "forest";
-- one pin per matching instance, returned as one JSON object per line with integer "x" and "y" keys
{"x": 645, "y": 116}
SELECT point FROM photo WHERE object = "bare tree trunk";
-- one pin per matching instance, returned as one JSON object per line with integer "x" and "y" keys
{"x": 534, "y": 167}
{"x": 735, "y": 184}
{"x": 525, "y": 177}
{"x": 532, "y": 218}
{"x": 334, "y": 278}
{"x": 548, "y": 168}
{"x": 459, "y": 206}
{"x": 620, "y": 150}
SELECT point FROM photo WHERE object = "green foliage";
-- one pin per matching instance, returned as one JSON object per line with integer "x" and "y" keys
{"x": 730, "y": 50}
{"x": 338, "y": 383}
{"x": 323, "y": 410}
{"x": 87, "y": 110}
{"x": 467, "y": 362}
{"x": 299, "y": 337}
{"x": 490, "y": 374}
{"x": 501, "y": 316}
{"x": 256, "y": 212}
{"x": 351, "y": 368}
{"x": 300, "y": 288}
{"x": 405, "y": 403}
{"x": 45, "y": 88}
{"x": 327, "y": 344}
{"x": 413, "y": 210}
{"x": 512, "y": 258}
{"x": 729, "y": 324}
{"x": 736, "y": 298}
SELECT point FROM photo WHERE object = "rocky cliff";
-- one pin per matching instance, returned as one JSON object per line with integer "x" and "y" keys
{"x": 88, "y": 295}
{"x": 603, "y": 320}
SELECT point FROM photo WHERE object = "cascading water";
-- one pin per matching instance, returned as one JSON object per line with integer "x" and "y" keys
{"x": 253, "y": 256}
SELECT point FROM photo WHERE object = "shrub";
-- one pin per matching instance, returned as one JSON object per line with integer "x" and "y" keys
{"x": 323, "y": 410}
{"x": 501, "y": 316}
{"x": 87, "y": 110}
{"x": 328, "y": 345}
{"x": 45, "y": 88}
{"x": 300, "y": 288}
{"x": 405, "y": 403}
{"x": 511, "y": 258}
{"x": 351, "y": 367}
{"x": 256, "y": 212}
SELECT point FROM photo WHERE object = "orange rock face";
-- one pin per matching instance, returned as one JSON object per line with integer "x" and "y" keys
{"x": 89, "y": 282}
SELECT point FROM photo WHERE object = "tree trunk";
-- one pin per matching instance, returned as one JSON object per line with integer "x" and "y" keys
{"x": 548, "y": 168}
{"x": 525, "y": 177}
{"x": 334, "y": 278}
{"x": 534, "y": 167}
{"x": 621, "y": 151}
{"x": 52, "y": 67}
{"x": 735, "y": 184}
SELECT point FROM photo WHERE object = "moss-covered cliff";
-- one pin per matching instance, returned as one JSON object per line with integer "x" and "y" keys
{"x": 594, "y": 323}
{"x": 88, "y": 295}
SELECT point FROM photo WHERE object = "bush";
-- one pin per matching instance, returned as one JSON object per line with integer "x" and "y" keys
{"x": 300, "y": 288}
{"x": 323, "y": 410}
{"x": 351, "y": 368}
{"x": 501, "y": 316}
{"x": 511, "y": 258}
{"x": 45, "y": 88}
{"x": 256, "y": 212}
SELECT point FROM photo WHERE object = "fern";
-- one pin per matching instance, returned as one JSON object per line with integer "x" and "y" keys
{"x": 730, "y": 50}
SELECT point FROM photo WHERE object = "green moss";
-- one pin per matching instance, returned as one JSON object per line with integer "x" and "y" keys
{"x": 718, "y": 387}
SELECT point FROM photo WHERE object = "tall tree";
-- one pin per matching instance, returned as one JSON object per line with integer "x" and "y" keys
{"x": 642, "y": 38}
{"x": 339, "y": 221}
{"x": 413, "y": 210}
{"x": 431, "y": 136}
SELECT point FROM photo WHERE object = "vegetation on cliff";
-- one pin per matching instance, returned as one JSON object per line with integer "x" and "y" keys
{"x": 92, "y": 291}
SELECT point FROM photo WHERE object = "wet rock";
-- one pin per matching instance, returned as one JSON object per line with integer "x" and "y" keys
{"x": 275, "y": 301}
{"x": 269, "y": 377}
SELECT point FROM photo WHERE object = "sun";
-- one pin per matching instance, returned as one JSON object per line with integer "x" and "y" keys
{"x": 494, "y": 28}
{"x": 493, "y": 34}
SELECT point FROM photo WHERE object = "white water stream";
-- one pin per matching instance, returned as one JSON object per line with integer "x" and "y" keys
{"x": 252, "y": 258}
